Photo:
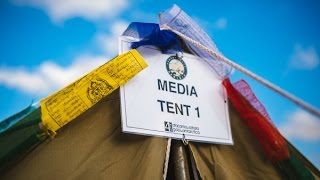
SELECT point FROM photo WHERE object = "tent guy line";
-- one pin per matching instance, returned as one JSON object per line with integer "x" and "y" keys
{"x": 259, "y": 79}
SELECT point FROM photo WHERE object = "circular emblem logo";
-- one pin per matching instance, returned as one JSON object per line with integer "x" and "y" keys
{"x": 176, "y": 67}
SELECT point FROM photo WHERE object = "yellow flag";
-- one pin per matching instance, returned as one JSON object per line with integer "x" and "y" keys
{"x": 65, "y": 105}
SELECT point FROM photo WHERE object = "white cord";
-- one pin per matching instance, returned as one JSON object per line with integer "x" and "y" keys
{"x": 166, "y": 163}
{"x": 268, "y": 84}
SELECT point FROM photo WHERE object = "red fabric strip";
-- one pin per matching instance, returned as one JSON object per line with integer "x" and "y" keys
{"x": 244, "y": 89}
{"x": 272, "y": 142}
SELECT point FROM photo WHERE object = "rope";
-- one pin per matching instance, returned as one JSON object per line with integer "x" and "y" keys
{"x": 259, "y": 79}
{"x": 166, "y": 162}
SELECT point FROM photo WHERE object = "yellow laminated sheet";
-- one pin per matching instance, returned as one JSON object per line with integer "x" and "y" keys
{"x": 65, "y": 105}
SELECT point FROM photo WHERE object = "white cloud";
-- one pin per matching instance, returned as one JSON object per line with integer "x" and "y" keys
{"x": 109, "y": 42}
{"x": 301, "y": 125}
{"x": 304, "y": 58}
{"x": 48, "y": 76}
{"x": 59, "y": 10}
{"x": 221, "y": 23}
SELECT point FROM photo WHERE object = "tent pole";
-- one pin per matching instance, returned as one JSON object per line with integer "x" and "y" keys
{"x": 180, "y": 160}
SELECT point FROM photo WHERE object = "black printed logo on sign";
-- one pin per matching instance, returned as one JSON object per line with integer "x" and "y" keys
{"x": 168, "y": 126}
{"x": 98, "y": 89}
{"x": 176, "y": 67}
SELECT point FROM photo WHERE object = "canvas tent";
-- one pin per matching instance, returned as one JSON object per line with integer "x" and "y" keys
{"x": 93, "y": 146}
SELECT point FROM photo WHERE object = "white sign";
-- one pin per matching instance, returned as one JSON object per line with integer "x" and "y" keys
{"x": 175, "y": 97}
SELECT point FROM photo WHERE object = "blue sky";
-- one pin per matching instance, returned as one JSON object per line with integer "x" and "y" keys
{"x": 44, "y": 45}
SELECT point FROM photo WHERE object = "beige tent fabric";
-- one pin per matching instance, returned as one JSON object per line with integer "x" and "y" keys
{"x": 93, "y": 147}
{"x": 244, "y": 160}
